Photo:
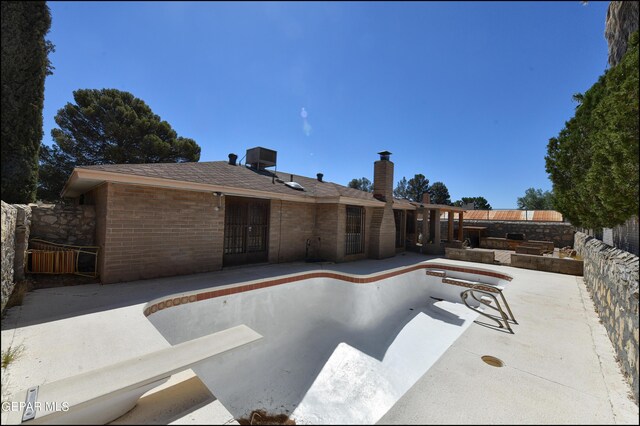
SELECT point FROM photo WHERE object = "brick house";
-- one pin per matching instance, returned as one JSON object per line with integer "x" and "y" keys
{"x": 156, "y": 220}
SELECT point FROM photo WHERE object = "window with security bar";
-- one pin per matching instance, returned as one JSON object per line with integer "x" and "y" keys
{"x": 354, "y": 237}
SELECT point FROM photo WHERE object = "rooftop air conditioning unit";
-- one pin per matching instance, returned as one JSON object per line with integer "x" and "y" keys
{"x": 259, "y": 158}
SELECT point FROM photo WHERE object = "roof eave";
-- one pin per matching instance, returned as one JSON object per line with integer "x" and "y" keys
{"x": 83, "y": 180}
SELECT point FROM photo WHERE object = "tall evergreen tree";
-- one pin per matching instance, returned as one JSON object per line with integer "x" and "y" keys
{"x": 400, "y": 190}
{"x": 536, "y": 199}
{"x": 25, "y": 65}
{"x": 108, "y": 126}
{"x": 439, "y": 194}
{"x": 363, "y": 184}
{"x": 479, "y": 203}
{"x": 417, "y": 186}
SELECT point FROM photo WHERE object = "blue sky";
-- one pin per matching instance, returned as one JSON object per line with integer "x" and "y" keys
{"x": 466, "y": 93}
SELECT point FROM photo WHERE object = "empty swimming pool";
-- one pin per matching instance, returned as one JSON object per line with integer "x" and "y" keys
{"x": 337, "y": 348}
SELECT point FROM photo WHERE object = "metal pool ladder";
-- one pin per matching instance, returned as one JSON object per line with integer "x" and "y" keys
{"x": 484, "y": 294}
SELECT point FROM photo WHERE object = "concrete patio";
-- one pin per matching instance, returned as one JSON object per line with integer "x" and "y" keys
{"x": 559, "y": 366}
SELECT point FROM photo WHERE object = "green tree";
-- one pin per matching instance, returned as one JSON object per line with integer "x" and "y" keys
{"x": 108, "y": 126}
{"x": 593, "y": 162}
{"x": 439, "y": 194}
{"x": 479, "y": 203}
{"x": 417, "y": 186}
{"x": 536, "y": 199}
{"x": 362, "y": 184}
{"x": 25, "y": 65}
{"x": 400, "y": 190}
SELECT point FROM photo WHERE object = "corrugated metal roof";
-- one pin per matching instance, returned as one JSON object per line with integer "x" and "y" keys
{"x": 511, "y": 215}
{"x": 477, "y": 214}
{"x": 547, "y": 216}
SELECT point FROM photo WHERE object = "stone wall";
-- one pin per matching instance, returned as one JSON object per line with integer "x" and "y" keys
{"x": 23, "y": 230}
{"x": 65, "y": 224}
{"x": 611, "y": 275}
{"x": 621, "y": 22}
{"x": 9, "y": 214}
{"x": 561, "y": 233}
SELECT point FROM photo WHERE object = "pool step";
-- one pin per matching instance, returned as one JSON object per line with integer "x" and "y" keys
{"x": 356, "y": 388}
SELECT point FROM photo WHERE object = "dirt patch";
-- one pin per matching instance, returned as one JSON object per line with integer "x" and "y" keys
{"x": 61, "y": 280}
{"x": 37, "y": 281}
{"x": 19, "y": 291}
{"x": 261, "y": 417}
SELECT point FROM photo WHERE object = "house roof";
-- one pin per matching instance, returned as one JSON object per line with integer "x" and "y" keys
{"x": 219, "y": 176}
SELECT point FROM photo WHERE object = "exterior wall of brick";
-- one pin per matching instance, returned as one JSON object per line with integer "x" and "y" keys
{"x": 154, "y": 232}
{"x": 383, "y": 179}
{"x": 383, "y": 233}
{"x": 145, "y": 232}
{"x": 98, "y": 198}
{"x": 326, "y": 230}
{"x": 382, "y": 230}
{"x": 291, "y": 225}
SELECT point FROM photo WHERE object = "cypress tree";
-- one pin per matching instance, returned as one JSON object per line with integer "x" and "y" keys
{"x": 593, "y": 162}
{"x": 25, "y": 65}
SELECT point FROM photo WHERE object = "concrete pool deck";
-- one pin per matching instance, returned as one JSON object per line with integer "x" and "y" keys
{"x": 559, "y": 365}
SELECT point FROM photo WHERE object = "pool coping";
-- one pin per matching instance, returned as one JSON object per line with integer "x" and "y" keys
{"x": 178, "y": 299}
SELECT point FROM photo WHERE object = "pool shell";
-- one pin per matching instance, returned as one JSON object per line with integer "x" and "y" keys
{"x": 333, "y": 352}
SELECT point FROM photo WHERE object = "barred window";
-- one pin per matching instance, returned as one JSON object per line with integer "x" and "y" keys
{"x": 398, "y": 215}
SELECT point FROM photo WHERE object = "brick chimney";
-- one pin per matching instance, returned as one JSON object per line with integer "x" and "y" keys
{"x": 383, "y": 225}
{"x": 383, "y": 177}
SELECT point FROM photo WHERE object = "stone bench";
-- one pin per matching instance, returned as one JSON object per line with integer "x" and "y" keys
{"x": 547, "y": 246}
{"x": 549, "y": 264}
{"x": 530, "y": 249}
{"x": 504, "y": 244}
{"x": 102, "y": 395}
{"x": 471, "y": 255}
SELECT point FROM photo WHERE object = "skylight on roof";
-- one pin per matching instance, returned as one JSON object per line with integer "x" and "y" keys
{"x": 295, "y": 185}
